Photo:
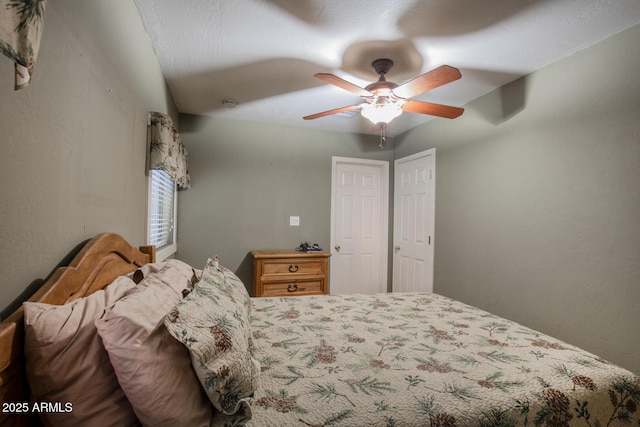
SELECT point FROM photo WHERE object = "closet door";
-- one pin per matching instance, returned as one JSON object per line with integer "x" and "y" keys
{"x": 414, "y": 209}
{"x": 359, "y": 224}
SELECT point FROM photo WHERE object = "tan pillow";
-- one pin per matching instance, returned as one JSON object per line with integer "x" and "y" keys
{"x": 151, "y": 268}
{"x": 67, "y": 363}
{"x": 153, "y": 369}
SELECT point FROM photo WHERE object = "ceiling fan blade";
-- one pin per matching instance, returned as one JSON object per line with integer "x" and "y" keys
{"x": 431, "y": 109}
{"x": 334, "y": 111}
{"x": 343, "y": 84}
{"x": 427, "y": 81}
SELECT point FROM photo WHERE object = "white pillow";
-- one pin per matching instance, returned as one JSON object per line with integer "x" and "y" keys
{"x": 66, "y": 361}
{"x": 153, "y": 369}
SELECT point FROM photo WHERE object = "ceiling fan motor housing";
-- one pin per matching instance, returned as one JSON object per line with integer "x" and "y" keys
{"x": 382, "y": 88}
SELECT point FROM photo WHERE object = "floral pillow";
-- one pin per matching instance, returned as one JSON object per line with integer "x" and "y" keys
{"x": 228, "y": 283}
{"x": 213, "y": 323}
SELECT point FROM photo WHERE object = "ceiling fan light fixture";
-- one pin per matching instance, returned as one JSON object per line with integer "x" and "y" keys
{"x": 381, "y": 113}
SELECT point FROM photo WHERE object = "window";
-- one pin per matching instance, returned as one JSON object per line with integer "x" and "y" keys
{"x": 163, "y": 201}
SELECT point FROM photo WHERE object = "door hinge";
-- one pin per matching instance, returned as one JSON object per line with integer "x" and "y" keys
{"x": 429, "y": 239}
{"x": 430, "y": 173}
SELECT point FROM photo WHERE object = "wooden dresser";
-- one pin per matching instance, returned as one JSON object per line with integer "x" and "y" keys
{"x": 287, "y": 273}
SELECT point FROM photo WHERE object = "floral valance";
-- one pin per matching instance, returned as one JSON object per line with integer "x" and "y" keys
{"x": 21, "y": 24}
{"x": 167, "y": 151}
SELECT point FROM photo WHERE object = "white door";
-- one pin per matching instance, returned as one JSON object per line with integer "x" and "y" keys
{"x": 359, "y": 226}
{"x": 414, "y": 209}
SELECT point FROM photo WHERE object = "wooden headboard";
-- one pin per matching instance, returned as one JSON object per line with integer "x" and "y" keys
{"x": 98, "y": 263}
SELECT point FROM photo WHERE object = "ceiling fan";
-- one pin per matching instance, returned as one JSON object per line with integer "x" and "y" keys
{"x": 386, "y": 100}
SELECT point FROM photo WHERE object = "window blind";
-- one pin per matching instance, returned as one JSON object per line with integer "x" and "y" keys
{"x": 161, "y": 209}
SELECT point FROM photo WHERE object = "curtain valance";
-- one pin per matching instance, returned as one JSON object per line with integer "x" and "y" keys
{"x": 167, "y": 151}
{"x": 21, "y": 24}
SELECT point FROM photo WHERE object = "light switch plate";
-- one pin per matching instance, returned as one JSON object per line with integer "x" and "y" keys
{"x": 294, "y": 221}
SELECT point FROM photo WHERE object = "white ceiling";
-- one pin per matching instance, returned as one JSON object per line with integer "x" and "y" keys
{"x": 264, "y": 53}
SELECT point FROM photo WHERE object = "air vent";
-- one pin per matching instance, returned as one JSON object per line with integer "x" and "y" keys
{"x": 229, "y": 103}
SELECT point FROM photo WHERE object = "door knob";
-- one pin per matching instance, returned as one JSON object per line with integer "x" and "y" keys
{"x": 337, "y": 248}
{"x": 396, "y": 247}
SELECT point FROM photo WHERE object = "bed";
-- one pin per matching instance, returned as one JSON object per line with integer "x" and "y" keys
{"x": 186, "y": 345}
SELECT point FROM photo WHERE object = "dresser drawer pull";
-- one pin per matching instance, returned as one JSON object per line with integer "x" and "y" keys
{"x": 293, "y": 268}
{"x": 292, "y": 287}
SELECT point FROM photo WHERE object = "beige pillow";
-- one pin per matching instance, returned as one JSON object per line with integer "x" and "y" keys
{"x": 153, "y": 369}
{"x": 151, "y": 268}
{"x": 67, "y": 363}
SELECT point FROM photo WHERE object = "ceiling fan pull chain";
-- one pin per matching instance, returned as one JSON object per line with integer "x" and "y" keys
{"x": 383, "y": 136}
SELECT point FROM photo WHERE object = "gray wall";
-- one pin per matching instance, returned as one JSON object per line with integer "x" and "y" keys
{"x": 248, "y": 178}
{"x": 538, "y": 200}
{"x": 73, "y": 142}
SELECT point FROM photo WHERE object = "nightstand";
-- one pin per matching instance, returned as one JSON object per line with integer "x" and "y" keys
{"x": 289, "y": 273}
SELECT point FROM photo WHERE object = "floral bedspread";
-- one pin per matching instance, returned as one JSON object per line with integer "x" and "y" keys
{"x": 424, "y": 360}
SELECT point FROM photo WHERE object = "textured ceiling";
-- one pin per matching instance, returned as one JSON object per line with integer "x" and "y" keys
{"x": 264, "y": 53}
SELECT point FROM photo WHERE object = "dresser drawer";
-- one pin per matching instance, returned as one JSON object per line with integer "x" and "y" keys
{"x": 291, "y": 266}
{"x": 293, "y": 288}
